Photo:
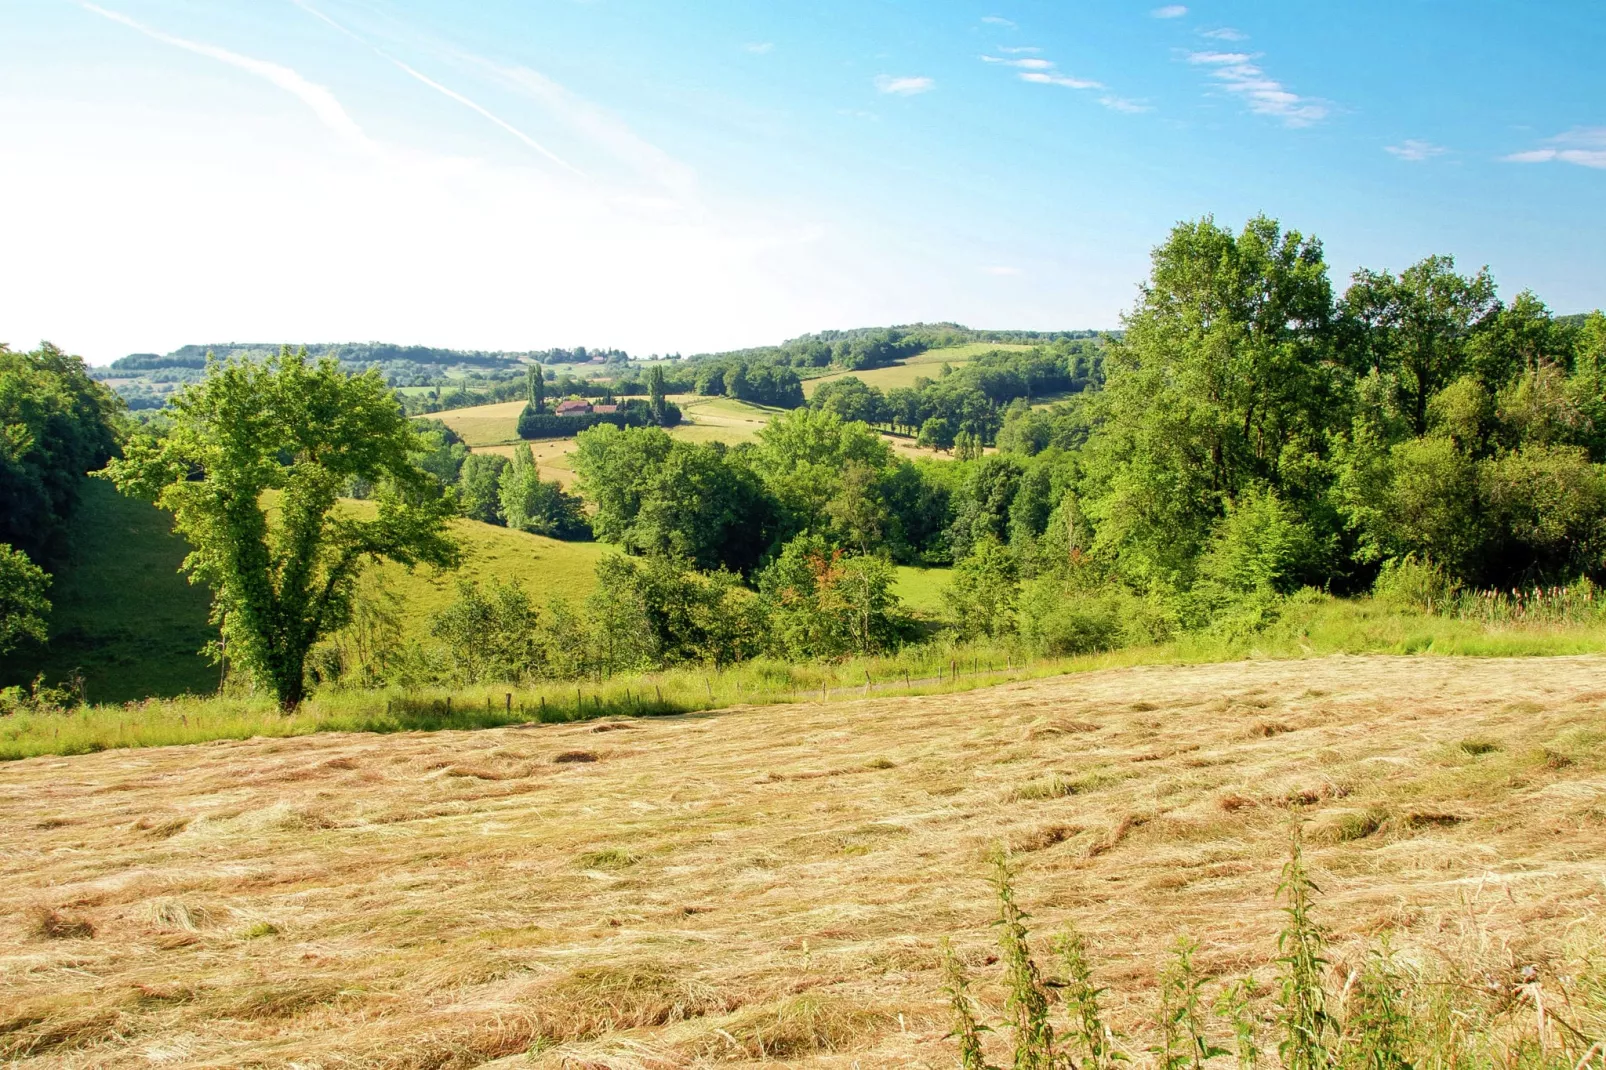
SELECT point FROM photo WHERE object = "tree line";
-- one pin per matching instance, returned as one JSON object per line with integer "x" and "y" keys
{"x": 1251, "y": 435}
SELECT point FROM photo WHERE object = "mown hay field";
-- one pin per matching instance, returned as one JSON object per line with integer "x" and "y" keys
{"x": 769, "y": 885}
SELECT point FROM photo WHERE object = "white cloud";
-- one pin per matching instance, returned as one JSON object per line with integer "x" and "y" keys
{"x": 905, "y": 86}
{"x": 1001, "y": 270}
{"x": 996, "y": 20}
{"x": 1584, "y": 146}
{"x": 1415, "y": 150}
{"x": 759, "y": 48}
{"x": 1122, "y": 104}
{"x": 1170, "y": 11}
{"x": 322, "y": 102}
{"x": 1263, "y": 94}
{"x": 1018, "y": 51}
{"x": 1045, "y": 78}
{"x": 1044, "y": 72}
{"x": 1224, "y": 33}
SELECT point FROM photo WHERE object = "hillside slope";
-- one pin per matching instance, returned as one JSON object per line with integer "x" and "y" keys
{"x": 132, "y": 626}
{"x": 769, "y": 884}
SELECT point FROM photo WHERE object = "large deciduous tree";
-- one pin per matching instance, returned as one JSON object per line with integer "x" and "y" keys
{"x": 252, "y": 469}
{"x": 1223, "y": 382}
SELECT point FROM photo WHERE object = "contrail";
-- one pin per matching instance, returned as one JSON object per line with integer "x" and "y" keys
{"x": 453, "y": 94}
{"x": 320, "y": 100}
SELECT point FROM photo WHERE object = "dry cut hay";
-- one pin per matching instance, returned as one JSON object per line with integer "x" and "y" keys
{"x": 768, "y": 885}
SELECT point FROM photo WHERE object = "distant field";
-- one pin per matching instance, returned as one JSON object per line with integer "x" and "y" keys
{"x": 484, "y": 425}
{"x": 926, "y": 364}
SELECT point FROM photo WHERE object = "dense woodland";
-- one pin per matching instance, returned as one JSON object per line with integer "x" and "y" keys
{"x": 1253, "y": 435}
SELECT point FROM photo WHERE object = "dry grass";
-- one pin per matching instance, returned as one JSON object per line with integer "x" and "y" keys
{"x": 769, "y": 884}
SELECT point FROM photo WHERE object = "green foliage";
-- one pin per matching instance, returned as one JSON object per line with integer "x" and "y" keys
{"x": 56, "y": 424}
{"x": 657, "y": 612}
{"x": 982, "y": 595}
{"x": 489, "y": 633}
{"x": 301, "y": 432}
{"x": 1087, "y": 1030}
{"x": 1302, "y": 944}
{"x": 1413, "y": 582}
{"x": 661, "y": 496}
{"x": 479, "y": 487}
{"x": 1377, "y": 1025}
{"x": 1182, "y": 1037}
{"x": 1260, "y": 549}
{"x": 966, "y": 1032}
{"x": 23, "y": 605}
{"x": 824, "y": 603}
{"x": 1222, "y": 381}
{"x": 542, "y": 507}
{"x": 1026, "y": 997}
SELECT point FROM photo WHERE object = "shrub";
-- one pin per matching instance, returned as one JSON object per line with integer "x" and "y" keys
{"x": 1414, "y": 583}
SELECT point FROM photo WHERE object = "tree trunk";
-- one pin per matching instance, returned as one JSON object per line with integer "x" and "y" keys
{"x": 290, "y": 680}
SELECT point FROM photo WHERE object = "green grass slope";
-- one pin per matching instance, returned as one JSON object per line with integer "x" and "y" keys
{"x": 132, "y": 626}
{"x": 123, "y": 616}
{"x": 905, "y": 372}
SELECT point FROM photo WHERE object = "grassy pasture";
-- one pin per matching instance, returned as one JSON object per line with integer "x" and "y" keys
{"x": 905, "y": 372}
{"x": 133, "y": 627}
{"x": 921, "y": 589}
{"x": 769, "y": 884}
{"x": 122, "y": 615}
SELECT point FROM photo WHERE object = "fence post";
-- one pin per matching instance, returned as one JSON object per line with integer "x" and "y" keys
{"x": 510, "y": 702}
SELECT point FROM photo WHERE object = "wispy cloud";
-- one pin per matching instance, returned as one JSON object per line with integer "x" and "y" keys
{"x": 1224, "y": 33}
{"x": 1001, "y": 270}
{"x": 322, "y": 102}
{"x": 1065, "y": 80}
{"x": 1122, "y": 104}
{"x": 997, "y": 20}
{"x": 1044, "y": 72}
{"x": 1170, "y": 11}
{"x": 1018, "y": 50}
{"x": 905, "y": 86}
{"x": 1582, "y": 145}
{"x": 449, "y": 93}
{"x": 1263, "y": 94}
{"x": 1030, "y": 64}
{"x": 1415, "y": 150}
{"x": 759, "y": 48}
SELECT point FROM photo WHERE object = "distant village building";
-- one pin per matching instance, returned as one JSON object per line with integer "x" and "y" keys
{"x": 573, "y": 408}
{"x": 604, "y": 408}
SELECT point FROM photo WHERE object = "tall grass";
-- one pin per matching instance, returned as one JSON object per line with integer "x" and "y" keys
{"x": 1464, "y": 1017}
{"x": 1310, "y": 626}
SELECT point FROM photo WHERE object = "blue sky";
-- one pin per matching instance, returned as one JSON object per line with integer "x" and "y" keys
{"x": 664, "y": 176}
